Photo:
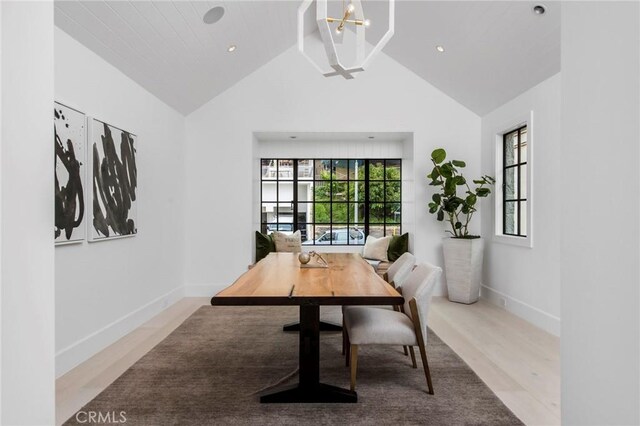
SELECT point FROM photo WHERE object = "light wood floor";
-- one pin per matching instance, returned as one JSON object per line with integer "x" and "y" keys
{"x": 518, "y": 361}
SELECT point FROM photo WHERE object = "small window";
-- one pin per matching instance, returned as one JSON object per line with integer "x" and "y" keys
{"x": 514, "y": 183}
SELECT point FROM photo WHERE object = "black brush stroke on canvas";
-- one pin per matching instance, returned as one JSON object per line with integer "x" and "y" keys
{"x": 69, "y": 199}
{"x": 114, "y": 182}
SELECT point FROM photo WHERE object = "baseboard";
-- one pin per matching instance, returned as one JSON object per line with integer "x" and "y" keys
{"x": 85, "y": 348}
{"x": 539, "y": 318}
{"x": 203, "y": 289}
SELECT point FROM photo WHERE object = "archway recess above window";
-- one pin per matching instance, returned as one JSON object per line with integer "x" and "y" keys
{"x": 342, "y": 27}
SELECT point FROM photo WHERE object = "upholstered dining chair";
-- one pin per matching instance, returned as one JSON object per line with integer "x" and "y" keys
{"x": 395, "y": 276}
{"x": 377, "y": 326}
{"x": 399, "y": 270}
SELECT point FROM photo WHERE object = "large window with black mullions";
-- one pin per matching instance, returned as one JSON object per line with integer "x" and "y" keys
{"x": 331, "y": 201}
{"x": 514, "y": 178}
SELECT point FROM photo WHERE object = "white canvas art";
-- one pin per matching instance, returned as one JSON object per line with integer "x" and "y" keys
{"x": 113, "y": 183}
{"x": 70, "y": 140}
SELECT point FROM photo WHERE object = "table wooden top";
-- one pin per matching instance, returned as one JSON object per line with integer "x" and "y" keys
{"x": 349, "y": 280}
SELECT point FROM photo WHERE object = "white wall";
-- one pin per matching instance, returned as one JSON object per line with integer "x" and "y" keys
{"x": 600, "y": 345}
{"x": 27, "y": 295}
{"x": 528, "y": 279}
{"x": 289, "y": 95}
{"x": 105, "y": 289}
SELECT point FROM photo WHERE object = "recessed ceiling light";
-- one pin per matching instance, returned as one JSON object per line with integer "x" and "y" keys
{"x": 440, "y": 48}
{"x": 371, "y": 137}
{"x": 231, "y": 48}
{"x": 293, "y": 137}
{"x": 213, "y": 15}
{"x": 539, "y": 9}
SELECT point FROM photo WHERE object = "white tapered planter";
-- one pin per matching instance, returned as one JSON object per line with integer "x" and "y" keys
{"x": 463, "y": 266}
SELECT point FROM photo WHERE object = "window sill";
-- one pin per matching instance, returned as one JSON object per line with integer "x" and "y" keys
{"x": 514, "y": 241}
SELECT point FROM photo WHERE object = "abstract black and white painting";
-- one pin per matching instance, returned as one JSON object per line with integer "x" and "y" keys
{"x": 69, "y": 128}
{"x": 113, "y": 182}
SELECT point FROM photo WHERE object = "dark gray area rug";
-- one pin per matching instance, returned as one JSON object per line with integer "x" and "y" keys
{"x": 207, "y": 371}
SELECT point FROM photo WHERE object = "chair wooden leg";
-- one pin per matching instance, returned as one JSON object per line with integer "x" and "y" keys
{"x": 354, "y": 365}
{"x": 347, "y": 346}
{"x": 406, "y": 351}
{"x": 413, "y": 357}
{"x": 344, "y": 338}
{"x": 425, "y": 364}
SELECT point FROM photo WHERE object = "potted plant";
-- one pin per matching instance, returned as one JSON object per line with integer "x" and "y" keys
{"x": 462, "y": 252}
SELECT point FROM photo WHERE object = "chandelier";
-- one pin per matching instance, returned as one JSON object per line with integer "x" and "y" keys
{"x": 331, "y": 30}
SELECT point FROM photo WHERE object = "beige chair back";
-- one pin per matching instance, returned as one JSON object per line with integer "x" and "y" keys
{"x": 419, "y": 285}
{"x": 399, "y": 271}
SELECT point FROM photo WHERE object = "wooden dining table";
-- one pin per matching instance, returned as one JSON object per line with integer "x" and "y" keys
{"x": 280, "y": 280}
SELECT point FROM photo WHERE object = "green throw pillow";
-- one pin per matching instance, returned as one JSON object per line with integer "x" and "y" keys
{"x": 398, "y": 246}
{"x": 264, "y": 246}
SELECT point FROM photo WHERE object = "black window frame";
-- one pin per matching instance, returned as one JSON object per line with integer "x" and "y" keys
{"x": 518, "y": 166}
{"x": 365, "y": 200}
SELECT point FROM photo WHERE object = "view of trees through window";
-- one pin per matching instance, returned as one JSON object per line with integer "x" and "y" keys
{"x": 515, "y": 183}
{"x": 331, "y": 201}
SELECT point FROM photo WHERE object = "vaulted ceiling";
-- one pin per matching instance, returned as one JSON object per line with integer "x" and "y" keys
{"x": 494, "y": 50}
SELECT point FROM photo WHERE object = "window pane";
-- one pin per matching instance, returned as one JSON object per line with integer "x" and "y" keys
{"x": 392, "y": 213}
{"x": 523, "y": 181}
{"x": 376, "y": 213}
{"x": 322, "y": 213}
{"x": 306, "y": 232}
{"x": 269, "y": 169}
{"x": 510, "y": 217}
{"x": 322, "y": 169}
{"x": 285, "y": 191}
{"x": 269, "y": 191}
{"x": 392, "y": 230}
{"x": 339, "y": 213}
{"x": 523, "y": 145}
{"x": 339, "y": 191}
{"x": 523, "y": 218}
{"x": 305, "y": 191}
{"x": 305, "y": 169}
{"x": 356, "y": 235}
{"x": 356, "y": 169}
{"x": 393, "y": 191}
{"x": 376, "y": 169}
{"x": 393, "y": 170}
{"x": 322, "y": 191}
{"x": 356, "y": 213}
{"x": 510, "y": 148}
{"x": 305, "y": 212}
{"x": 322, "y": 233}
{"x": 285, "y": 212}
{"x": 376, "y": 231}
{"x": 339, "y": 169}
{"x": 510, "y": 184}
{"x": 356, "y": 191}
{"x": 376, "y": 191}
{"x": 269, "y": 212}
{"x": 285, "y": 169}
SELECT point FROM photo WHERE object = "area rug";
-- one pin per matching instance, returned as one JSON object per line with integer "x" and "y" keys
{"x": 207, "y": 372}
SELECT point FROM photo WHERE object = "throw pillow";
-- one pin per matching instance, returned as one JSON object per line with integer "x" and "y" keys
{"x": 264, "y": 246}
{"x": 398, "y": 246}
{"x": 376, "y": 248}
{"x": 288, "y": 243}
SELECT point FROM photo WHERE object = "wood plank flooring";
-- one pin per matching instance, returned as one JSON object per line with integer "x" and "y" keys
{"x": 518, "y": 361}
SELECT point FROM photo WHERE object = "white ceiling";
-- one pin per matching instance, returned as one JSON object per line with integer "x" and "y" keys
{"x": 494, "y": 50}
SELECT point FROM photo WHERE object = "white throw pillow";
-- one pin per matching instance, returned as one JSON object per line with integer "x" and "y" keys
{"x": 376, "y": 248}
{"x": 288, "y": 243}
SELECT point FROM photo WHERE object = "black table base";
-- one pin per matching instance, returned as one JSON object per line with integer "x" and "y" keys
{"x": 309, "y": 388}
{"x": 324, "y": 326}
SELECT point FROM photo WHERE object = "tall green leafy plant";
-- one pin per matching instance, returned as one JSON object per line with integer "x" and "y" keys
{"x": 458, "y": 209}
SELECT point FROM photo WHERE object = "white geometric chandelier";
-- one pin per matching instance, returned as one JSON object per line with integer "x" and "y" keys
{"x": 332, "y": 33}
